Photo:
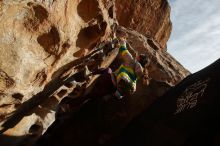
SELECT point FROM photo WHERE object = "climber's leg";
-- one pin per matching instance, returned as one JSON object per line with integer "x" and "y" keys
{"x": 103, "y": 86}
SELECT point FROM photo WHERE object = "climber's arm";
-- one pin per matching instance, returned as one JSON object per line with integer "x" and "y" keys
{"x": 142, "y": 73}
{"x": 132, "y": 51}
{"x": 139, "y": 70}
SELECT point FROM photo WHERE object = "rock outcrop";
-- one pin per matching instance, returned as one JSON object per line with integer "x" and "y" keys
{"x": 104, "y": 116}
{"x": 187, "y": 114}
{"x": 161, "y": 66}
{"x": 149, "y": 17}
{"x": 47, "y": 47}
{"x": 41, "y": 44}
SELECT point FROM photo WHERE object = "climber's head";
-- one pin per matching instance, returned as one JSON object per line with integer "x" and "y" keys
{"x": 126, "y": 86}
{"x": 142, "y": 59}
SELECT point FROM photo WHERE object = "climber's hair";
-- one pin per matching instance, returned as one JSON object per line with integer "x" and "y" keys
{"x": 143, "y": 60}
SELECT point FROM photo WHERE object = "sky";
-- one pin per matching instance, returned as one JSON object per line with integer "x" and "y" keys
{"x": 195, "y": 36}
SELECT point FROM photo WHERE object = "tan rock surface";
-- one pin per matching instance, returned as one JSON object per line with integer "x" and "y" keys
{"x": 46, "y": 43}
{"x": 148, "y": 17}
{"x": 100, "y": 119}
{"x": 162, "y": 66}
{"x": 37, "y": 39}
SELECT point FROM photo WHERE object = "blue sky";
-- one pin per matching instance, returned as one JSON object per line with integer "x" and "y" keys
{"x": 195, "y": 38}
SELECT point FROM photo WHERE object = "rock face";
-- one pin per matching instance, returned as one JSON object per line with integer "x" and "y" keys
{"x": 48, "y": 46}
{"x": 41, "y": 40}
{"x": 148, "y": 17}
{"x": 162, "y": 66}
{"x": 108, "y": 116}
{"x": 187, "y": 114}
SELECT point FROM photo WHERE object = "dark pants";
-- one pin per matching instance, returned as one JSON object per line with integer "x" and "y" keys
{"x": 104, "y": 84}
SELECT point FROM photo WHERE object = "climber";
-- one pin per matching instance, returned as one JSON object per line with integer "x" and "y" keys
{"x": 120, "y": 83}
{"x": 129, "y": 71}
{"x": 123, "y": 81}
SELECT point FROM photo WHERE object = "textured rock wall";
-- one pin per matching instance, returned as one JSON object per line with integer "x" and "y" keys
{"x": 39, "y": 41}
{"x": 102, "y": 119}
{"x": 149, "y": 17}
{"x": 44, "y": 44}
{"x": 188, "y": 114}
{"x": 39, "y": 37}
{"x": 161, "y": 66}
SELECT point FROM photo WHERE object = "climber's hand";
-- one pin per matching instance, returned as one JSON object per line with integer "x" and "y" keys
{"x": 145, "y": 80}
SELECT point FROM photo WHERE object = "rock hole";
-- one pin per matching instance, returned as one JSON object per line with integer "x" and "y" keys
{"x": 152, "y": 44}
{"x": 80, "y": 76}
{"x": 18, "y": 96}
{"x": 99, "y": 18}
{"x": 50, "y": 41}
{"x": 17, "y": 105}
{"x": 111, "y": 12}
{"x": 88, "y": 9}
{"x": 66, "y": 45}
{"x": 89, "y": 36}
{"x": 2, "y": 93}
{"x": 62, "y": 93}
{"x": 51, "y": 103}
{"x": 40, "y": 13}
{"x": 95, "y": 62}
{"x": 78, "y": 91}
{"x": 69, "y": 85}
{"x": 33, "y": 21}
{"x": 5, "y": 81}
{"x": 92, "y": 65}
{"x": 36, "y": 128}
{"x": 29, "y": 4}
